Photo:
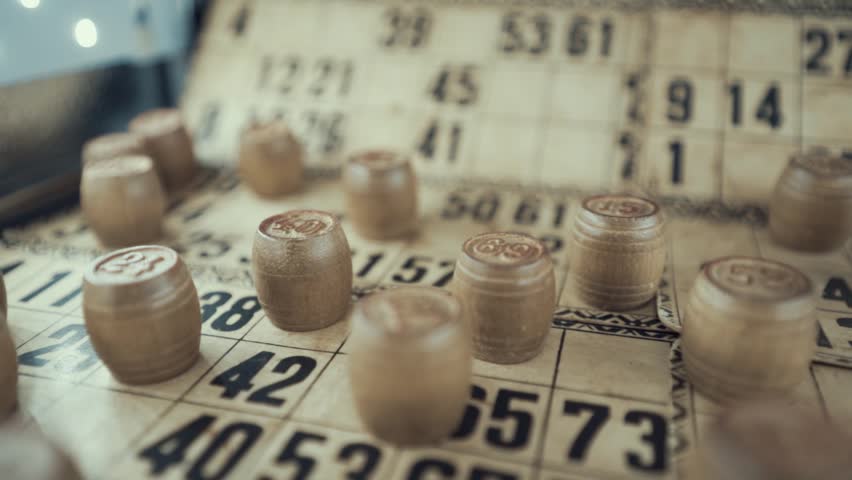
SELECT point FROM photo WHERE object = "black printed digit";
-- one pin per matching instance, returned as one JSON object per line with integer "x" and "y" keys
{"x": 444, "y": 279}
{"x": 238, "y": 378}
{"x": 301, "y": 368}
{"x": 836, "y": 289}
{"x": 171, "y": 449}
{"x": 472, "y": 412}
{"x": 216, "y": 300}
{"x": 655, "y": 438}
{"x": 437, "y": 133}
{"x": 628, "y": 143}
{"x": 238, "y": 316}
{"x": 239, "y": 437}
{"x": 820, "y": 39}
{"x": 290, "y": 454}
{"x": 429, "y": 468}
{"x": 598, "y": 416}
{"x": 504, "y": 411}
{"x": 69, "y": 336}
{"x": 676, "y": 150}
{"x": 527, "y": 211}
{"x": 372, "y": 261}
{"x": 680, "y": 94}
{"x": 414, "y": 265}
{"x": 368, "y": 456}
{"x": 56, "y": 278}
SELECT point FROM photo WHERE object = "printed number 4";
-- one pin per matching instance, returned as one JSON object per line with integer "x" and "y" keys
{"x": 239, "y": 378}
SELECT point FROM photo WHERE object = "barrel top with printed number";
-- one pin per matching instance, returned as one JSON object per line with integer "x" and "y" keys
{"x": 134, "y": 274}
{"x": 757, "y": 279}
{"x": 504, "y": 250}
{"x": 620, "y": 212}
{"x": 298, "y": 225}
{"x": 753, "y": 291}
{"x": 820, "y": 173}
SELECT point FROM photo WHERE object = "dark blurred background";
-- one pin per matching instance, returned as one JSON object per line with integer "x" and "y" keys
{"x": 73, "y": 69}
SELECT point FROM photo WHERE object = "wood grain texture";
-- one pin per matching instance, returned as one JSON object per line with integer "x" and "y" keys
{"x": 749, "y": 328}
{"x": 8, "y": 361}
{"x": 112, "y": 145}
{"x": 381, "y": 194}
{"x": 811, "y": 205}
{"x": 27, "y": 454}
{"x": 167, "y": 142}
{"x": 769, "y": 439}
{"x": 142, "y": 313}
{"x": 410, "y": 364}
{"x": 617, "y": 253}
{"x": 506, "y": 284}
{"x": 271, "y": 159}
{"x": 123, "y": 201}
{"x": 302, "y": 269}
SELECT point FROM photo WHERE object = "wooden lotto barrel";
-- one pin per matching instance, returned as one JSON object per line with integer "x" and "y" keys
{"x": 112, "y": 145}
{"x": 749, "y": 328}
{"x": 27, "y": 454}
{"x": 618, "y": 252}
{"x": 167, "y": 142}
{"x": 271, "y": 159}
{"x": 123, "y": 201}
{"x": 811, "y": 205}
{"x": 142, "y": 313}
{"x": 302, "y": 269}
{"x": 410, "y": 364}
{"x": 381, "y": 194}
{"x": 8, "y": 360}
{"x": 769, "y": 439}
{"x": 506, "y": 285}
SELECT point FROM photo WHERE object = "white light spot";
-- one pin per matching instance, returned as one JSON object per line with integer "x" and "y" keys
{"x": 86, "y": 33}
{"x": 30, "y": 3}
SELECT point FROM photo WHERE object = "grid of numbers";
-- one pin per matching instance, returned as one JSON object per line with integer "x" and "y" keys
{"x": 701, "y": 103}
{"x": 697, "y": 103}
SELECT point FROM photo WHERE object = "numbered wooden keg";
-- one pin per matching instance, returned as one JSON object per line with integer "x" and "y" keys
{"x": 271, "y": 159}
{"x": 302, "y": 269}
{"x": 618, "y": 251}
{"x": 381, "y": 194}
{"x": 749, "y": 328}
{"x": 768, "y": 439}
{"x": 8, "y": 360}
{"x": 410, "y": 364}
{"x": 113, "y": 145}
{"x": 811, "y": 206}
{"x": 142, "y": 313}
{"x": 26, "y": 453}
{"x": 506, "y": 285}
{"x": 123, "y": 201}
{"x": 168, "y": 143}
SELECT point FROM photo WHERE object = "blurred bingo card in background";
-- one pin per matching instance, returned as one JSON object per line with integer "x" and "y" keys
{"x": 694, "y": 99}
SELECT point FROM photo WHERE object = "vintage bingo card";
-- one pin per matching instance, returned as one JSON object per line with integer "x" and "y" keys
{"x": 512, "y": 112}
